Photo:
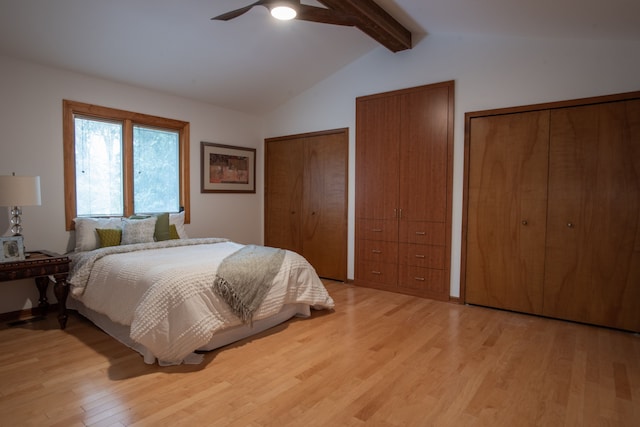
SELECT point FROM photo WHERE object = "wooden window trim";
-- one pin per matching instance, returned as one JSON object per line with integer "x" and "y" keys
{"x": 129, "y": 119}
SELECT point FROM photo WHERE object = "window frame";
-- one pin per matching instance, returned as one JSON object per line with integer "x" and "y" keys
{"x": 71, "y": 109}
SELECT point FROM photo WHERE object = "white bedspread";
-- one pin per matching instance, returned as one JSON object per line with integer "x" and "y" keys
{"x": 165, "y": 294}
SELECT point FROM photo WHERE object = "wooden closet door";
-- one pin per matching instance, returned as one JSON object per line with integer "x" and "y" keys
{"x": 593, "y": 241}
{"x": 377, "y": 163}
{"x": 324, "y": 207}
{"x": 306, "y": 198}
{"x": 507, "y": 202}
{"x": 425, "y": 144}
{"x": 423, "y": 155}
{"x": 283, "y": 194}
{"x": 404, "y": 143}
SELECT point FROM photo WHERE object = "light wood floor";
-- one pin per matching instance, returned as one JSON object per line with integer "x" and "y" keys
{"x": 379, "y": 359}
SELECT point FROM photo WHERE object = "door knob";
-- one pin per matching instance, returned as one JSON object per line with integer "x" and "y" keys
{"x": 525, "y": 222}
{"x": 570, "y": 224}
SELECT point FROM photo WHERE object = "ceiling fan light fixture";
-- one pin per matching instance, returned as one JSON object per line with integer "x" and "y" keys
{"x": 284, "y": 12}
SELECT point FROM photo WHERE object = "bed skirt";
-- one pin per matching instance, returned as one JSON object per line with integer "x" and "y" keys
{"x": 220, "y": 339}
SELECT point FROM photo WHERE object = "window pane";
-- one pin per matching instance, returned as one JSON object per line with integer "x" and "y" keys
{"x": 98, "y": 148}
{"x": 156, "y": 170}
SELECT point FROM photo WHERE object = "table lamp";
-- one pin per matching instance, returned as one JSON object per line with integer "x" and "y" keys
{"x": 18, "y": 191}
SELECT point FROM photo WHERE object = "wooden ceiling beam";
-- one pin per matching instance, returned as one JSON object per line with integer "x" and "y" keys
{"x": 375, "y": 22}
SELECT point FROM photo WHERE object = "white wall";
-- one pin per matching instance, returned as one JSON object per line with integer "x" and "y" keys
{"x": 31, "y": 144}
{"x": 489, "y": 72}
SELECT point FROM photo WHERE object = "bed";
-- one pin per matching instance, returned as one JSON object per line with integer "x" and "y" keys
{"x": 171, "y": 299}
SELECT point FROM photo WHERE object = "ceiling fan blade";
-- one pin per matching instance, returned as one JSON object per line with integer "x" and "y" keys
{"x": 324, "y": 16}
{"x": 235, "y": 13}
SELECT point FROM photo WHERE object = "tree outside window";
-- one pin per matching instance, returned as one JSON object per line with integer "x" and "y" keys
{"x": 119, "y": 163}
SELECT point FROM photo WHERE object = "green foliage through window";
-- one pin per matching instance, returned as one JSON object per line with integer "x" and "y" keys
{"x": 99, "y": 189}
{"x": 156, "y": 170}
{"x": 120, "y": 163}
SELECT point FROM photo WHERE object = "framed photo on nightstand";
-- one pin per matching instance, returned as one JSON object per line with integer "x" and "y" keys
{"x": 12, "y": 249}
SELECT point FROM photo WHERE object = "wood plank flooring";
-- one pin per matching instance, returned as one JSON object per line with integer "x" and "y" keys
{"x": 380, "y": 359}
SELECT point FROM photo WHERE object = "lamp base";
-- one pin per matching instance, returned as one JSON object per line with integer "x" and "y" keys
{"x": 16, "y": 221}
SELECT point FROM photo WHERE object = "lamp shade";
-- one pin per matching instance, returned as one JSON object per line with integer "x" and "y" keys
{"x": 19, "y": 190}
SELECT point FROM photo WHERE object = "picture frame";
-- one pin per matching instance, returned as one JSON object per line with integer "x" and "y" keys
{"x": 11, "y": 249}
{"x": 227, "y": 168}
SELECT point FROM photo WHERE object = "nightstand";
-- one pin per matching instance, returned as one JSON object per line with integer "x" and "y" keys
{"x": 40, "y": 265}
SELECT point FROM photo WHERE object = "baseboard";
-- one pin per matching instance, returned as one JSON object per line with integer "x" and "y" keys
{"x": 27, "y": 313}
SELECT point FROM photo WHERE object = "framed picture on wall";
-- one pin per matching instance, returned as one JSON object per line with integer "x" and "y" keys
{"x": 227, "y": 169}
{"x": 12, "y": 249}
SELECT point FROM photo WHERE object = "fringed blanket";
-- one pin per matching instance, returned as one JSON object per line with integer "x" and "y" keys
{"x": 245, "y": 277}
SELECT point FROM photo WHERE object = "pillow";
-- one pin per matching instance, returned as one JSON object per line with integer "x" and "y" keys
{"x": 178, "y": 221}
{"x": 86, "y": 236}
{"x": 173, "y": 232}
{"x": 162, "y": 225}
{"x": 138, "y": 230}
{"x": 109, "y": 236}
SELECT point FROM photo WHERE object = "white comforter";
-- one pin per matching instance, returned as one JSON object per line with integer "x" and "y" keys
{"x": 164, "y": 292}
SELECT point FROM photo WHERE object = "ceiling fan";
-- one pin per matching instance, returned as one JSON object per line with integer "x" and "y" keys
{"x": 293, "y": 9}
{"x": 363, "y": 14}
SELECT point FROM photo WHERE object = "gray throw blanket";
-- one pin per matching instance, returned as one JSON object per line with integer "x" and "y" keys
{"x": 245, "y": 277}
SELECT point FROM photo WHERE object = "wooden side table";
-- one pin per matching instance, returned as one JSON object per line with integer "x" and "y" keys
{"x": 40, "y": 265}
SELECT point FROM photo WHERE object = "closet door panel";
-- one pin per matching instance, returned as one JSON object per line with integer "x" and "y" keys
{"x": 423, "y": 155}
{"x": 324, "y": 207}
{"x": 507, "y": 200}
{"x": 283, "y": 194}
{"x": 377, "y": 129}
{"x": 592, "y": 264}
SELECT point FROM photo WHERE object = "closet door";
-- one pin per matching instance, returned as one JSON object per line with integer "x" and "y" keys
{"x": 284, "y": 161}
{"x": 423, "y": 155}
{"x": 404, "y": 151}
{"x": 377, "y": 161}
{"x": 324, "y": 207}
{"x": 425, "y": 136}
{"x": 593, "y": 241}
{"x": 507, "y": 202}
{"x": 377, "y": 168}
{"x": 306, "y": 198}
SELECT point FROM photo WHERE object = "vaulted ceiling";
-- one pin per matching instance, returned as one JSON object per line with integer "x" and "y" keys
{"x": 254, "y": 63}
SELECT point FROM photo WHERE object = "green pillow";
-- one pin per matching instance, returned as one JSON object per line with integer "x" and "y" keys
{"x": 109, "y": 236}
{"x": 162, "y": 227}
{"x": 173, "y": 232}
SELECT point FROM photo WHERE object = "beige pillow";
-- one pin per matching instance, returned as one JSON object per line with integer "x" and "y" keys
{"x": 87, "y": 238}
{"x": 178, "y": 221}
{"x": 138, "y": 230}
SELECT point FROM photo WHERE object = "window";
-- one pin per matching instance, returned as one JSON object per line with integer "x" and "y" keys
{"x": 119, "y": 163}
